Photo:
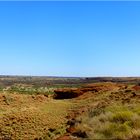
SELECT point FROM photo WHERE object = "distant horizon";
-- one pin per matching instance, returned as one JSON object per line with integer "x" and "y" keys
{"x": 69, "y": 76}
{"x": 70, "y": 38}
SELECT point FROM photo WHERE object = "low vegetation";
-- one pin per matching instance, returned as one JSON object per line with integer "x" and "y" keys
{"x": 102, "y": 110}
{"x": 113, "y": 122}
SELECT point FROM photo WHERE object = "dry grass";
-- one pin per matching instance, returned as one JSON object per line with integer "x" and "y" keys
{"x": 30, "y": 117}
{"x": 115, "y": 122}
{"x": 110, "y": 113}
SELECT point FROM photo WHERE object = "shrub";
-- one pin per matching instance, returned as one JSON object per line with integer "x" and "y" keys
{"x": 122, "y": 116}
{"x": 96, "y": 112}
{"x": 113, "y": 122}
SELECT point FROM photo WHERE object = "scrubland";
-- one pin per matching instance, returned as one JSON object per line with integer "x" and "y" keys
{"x": 88, "y": 110}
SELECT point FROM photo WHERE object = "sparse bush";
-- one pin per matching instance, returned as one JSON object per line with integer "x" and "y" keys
{"x": 115, "y": 122}
{"x": 96, "y": 112}
{"x": 30, "y": 90}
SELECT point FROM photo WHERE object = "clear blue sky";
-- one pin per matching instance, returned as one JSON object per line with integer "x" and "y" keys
{"x": 70, "y": 38}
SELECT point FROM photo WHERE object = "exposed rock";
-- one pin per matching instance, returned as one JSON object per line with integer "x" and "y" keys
{"x": 81, "y": 134}
{"x": 67, "y": 93}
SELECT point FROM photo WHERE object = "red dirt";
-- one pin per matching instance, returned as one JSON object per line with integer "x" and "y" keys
{"x": 68, "y": 93}
{"x": 66, "y": 137}
{"x": 136, "y": 88}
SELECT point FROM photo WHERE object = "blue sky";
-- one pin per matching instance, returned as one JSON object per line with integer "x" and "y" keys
{"x": 70, "y": 38}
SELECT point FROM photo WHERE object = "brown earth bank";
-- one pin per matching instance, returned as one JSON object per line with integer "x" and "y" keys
{"x": 99, "y": 97}
{"x": 102, "y": 110}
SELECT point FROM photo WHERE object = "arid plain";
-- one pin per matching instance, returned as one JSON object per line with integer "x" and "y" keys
{"x": 62, "y": 108}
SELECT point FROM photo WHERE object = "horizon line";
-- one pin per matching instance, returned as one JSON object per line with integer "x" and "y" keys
{"x": 18, "y": 75}
{"x": 70, "y": 0}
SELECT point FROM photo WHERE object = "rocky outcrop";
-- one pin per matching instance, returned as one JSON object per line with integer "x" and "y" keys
{"x": 67, "y": 93}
